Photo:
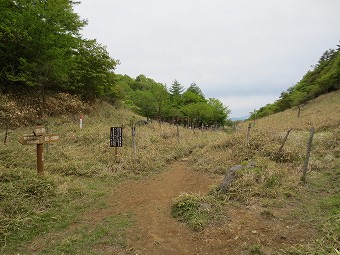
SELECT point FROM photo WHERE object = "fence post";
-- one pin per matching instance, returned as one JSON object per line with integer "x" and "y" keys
{"x": 7, "y": 121}
{"x": 6, "y": 133}
{"x": 133, "y": 131}
{"x": 248, "y": 133}
{"x": 46, "y": 144}
{"x": 309, "y": 148}
{"x": 284, "y": 141}
{"x": 299, "y": 111}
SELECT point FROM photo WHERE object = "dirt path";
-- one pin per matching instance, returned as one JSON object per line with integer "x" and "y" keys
{"x": 156, "y": 232}
{"x": 244, "y": 231}
{"x": 149, "y": 200}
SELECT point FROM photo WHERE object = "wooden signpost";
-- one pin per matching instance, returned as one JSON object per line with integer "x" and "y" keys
{"x": 116, "y": 138}
{"x": 39, "y": 138}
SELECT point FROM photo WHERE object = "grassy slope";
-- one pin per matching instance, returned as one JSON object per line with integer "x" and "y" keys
{"x": 274, "y": 183}
{"x": 81, "y": 167}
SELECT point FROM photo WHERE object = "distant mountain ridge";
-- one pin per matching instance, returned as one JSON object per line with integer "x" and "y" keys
{"x": 239, "y": 118}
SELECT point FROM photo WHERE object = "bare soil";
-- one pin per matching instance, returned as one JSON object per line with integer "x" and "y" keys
{"x": 156, "y": 232}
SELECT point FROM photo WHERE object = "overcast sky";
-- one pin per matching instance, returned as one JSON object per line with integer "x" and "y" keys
{"x": 243, "y": 52}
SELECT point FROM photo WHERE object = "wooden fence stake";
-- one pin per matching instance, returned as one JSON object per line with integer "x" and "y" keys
{"x": 309, "y": 148}
{"x": 40, "y": 158}
{"x": 133, "y": 131}
{"x": 284, "y": 141}
{"x": 6, "y": 133}
{"x": 248, "y": 133}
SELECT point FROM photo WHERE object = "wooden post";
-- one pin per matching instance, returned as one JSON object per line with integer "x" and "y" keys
{"x": 299, "y": 111}
{"x": 40, "y": 160}
{"x": 284, "y": 141}
{"x": 116, "y": 152}
{"x": 234, "y": 126}
{"x": 46, "y": 145}
{"x": 39, "y": 138}
{"x": 134, "y": 149}
{"x": 6, "y": 133}
{"x": 309, "y": 148}
{"x": 248, "y": 133}
{"x": 81, "y": 117}
{"x": 177, "y": 132}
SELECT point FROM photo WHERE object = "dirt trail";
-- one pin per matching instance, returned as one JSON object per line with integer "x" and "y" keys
{"x": 156, "y": 232}
{"x": 149, "y": 200}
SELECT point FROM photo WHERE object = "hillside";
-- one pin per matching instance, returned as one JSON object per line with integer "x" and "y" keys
{"x": 91, "y": 201}
{"x": 322, "y": 113}
{"x": 324, "y": 77}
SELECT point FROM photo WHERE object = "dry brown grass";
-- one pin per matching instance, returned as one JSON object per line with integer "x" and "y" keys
{"x": 275, "y": 181}
{"x": 82, "y": 160}
{"x": 24, "y": 110}
{"x": 266, "y": 137}
{"x": 321, "y": 113}
{"x": 86, "y": 152}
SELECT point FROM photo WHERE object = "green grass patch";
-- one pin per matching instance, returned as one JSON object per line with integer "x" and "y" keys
{"x": 197, "y": 211}
{"x": 105, "y": 237}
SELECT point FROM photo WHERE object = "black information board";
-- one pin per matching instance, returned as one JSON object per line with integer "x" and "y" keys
{"x": 116, "y": 137}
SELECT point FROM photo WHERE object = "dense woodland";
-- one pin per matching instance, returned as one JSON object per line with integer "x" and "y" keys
{"x": 43, "y": 52}
{"x": 323, "y": 78}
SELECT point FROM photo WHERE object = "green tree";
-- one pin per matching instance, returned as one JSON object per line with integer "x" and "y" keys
{"x": 219, "y": 112}
{"x": 145, "y": 102}
{"x": 91, "y": 70}
{"x": 190, "y": 97}
{"x": 193, "y": 95}
{"x": 197, "y": 113}
{"x": 176, "y": 91}
{"x": 253, "y": 115}
{"x": 161, "y": 98}
{"x": 196, "y": 90}
{"x": 38, "y": 40}
{"x": 42, "y": 50}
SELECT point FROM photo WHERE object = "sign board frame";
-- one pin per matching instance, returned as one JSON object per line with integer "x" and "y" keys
{"x": 31, "y": 140}
{"x": 116, "y": 137}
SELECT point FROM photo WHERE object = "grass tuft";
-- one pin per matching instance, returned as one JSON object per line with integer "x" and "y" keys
{"x": 197, "y": 211}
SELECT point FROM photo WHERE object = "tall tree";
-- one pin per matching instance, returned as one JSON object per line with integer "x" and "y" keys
{"x": 145, "y": 102}
{"x": 219, "y": 112}
{"x": 91, "y": 70}
{"x": 176, "y": 89}
{"x": 196, "y": 90}
{"x": 161, "y": 98}
{"x": 37, "y": 42}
